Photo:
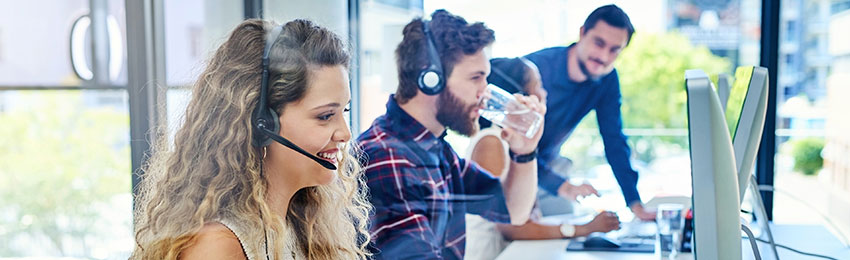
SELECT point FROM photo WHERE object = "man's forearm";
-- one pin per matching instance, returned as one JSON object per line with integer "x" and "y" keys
{"x": 520, "y": 188}
{"x": 530, "y": 231}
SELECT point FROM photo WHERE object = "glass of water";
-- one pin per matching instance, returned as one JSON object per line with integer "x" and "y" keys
{"x": 670, "y": 225}
{"x": 501, "y": 108}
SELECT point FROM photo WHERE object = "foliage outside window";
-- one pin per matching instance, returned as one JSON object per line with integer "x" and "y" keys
{"x": 807, "y": 155}
{"x": 64, "y": 185}
{"x": 652, "y": 84}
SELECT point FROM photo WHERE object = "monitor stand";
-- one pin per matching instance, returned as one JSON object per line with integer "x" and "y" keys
{"x": 761, "y": 214}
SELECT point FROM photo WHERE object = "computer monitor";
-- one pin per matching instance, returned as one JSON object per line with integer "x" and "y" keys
{"x": 745, "y": 113}
{"x": 723, "y": 88}
{"x": 716, "y": 203}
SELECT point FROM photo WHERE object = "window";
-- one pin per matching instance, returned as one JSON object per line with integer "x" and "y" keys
{"x": 193, "y": 31}
{"x": 839, "y": 6}
{"x": 64, "y": 174}
{"x": 1, "y": 45}
{"x": 381, "y": 23}
{"x": 791, "y": 30}
{"x": 65, "y": 152}
{"x": 811, "y": 166}
{"x": 63, "y": 37}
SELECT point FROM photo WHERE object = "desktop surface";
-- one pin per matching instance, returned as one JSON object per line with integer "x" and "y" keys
{"x": 603, "y": 244}
{"x": 808, "y": 238}
{"x": 556, "y": 249}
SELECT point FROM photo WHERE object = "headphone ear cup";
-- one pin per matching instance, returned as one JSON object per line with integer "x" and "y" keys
{"x": 269, "y": 121}
{"x": 430, "y": 82}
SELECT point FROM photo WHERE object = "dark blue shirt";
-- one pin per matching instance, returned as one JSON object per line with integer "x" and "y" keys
{"x": 567, "y": 103}
{"x": 422, "y": 190}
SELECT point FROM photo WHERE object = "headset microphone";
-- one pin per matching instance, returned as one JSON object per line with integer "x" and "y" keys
{"x": 287, "y": 143}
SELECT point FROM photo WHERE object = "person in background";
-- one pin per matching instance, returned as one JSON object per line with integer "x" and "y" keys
{"x": 485, "y": 239}
{"x": 228, "y": 188}
{"x": 420, "y": 188}
{"x": 580, "y": 78}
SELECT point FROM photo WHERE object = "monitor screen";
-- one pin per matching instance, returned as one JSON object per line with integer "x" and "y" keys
{"x": 737, "y": 94}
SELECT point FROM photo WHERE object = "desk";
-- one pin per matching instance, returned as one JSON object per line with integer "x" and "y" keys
{"x": 807, "y": 238}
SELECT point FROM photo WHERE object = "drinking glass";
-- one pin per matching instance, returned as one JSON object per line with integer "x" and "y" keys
{"x": 669, "y": 235}
{"x": 501, "y": 108}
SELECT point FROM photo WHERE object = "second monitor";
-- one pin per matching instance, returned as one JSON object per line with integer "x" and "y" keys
{"x": 745, "y": 113}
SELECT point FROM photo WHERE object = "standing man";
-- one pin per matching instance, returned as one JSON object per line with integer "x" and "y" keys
{"x": 579, "y": 78}
{"x": 420, "y": 188}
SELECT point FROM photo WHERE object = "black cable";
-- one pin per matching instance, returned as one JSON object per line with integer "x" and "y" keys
{"x": 265, "y": 232}
{"x": 796, "y": 251}
{"x": 265, "y": 236}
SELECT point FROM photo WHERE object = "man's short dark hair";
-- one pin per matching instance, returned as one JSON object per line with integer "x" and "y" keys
{"x": 453, "y": 37}
{"x": 613, "y": 16}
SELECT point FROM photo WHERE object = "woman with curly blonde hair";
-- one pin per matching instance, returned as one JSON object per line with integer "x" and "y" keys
{"x": 222, "y": 190}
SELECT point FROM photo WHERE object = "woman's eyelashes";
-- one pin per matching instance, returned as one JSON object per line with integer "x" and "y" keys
{"x": 328, "y": 115}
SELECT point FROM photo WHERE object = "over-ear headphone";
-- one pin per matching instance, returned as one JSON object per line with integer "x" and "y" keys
{"x": 431, "y": 79}
{"x": 264, "y": 119}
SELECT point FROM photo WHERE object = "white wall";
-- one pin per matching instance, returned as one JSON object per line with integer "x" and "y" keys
{"x": 528, "y": 26}
{"x": 332, "y": 14}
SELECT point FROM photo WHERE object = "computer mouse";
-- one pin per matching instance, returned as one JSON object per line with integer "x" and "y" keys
{"x": 600, "y": 242}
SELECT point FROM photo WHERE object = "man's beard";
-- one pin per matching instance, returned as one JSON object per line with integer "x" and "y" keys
{"x": 590, "y": 77}
{"x": 452, "y": 113}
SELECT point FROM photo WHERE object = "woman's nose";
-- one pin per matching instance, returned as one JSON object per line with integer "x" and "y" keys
{"x": 342, "y": 134}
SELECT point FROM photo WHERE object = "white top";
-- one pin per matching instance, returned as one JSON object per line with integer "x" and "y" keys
{"x": 240, "y": 229}
{"x": 483, "y": 239}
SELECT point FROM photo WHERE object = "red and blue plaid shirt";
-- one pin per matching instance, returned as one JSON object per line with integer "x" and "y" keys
{"x": 421, "y": 190}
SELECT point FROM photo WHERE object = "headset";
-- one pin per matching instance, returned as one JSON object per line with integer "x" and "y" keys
{"x": 431, "y": 79}
{"x": 264, "y": 119}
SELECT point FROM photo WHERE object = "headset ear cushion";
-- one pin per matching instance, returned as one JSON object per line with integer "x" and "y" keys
{"x": 261, "y": 138}
{"x": 276, "y": 119}
{"x": 431, "y": 79}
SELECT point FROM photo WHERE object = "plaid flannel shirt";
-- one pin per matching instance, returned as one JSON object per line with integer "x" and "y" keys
{"x": 421, "y": 190}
